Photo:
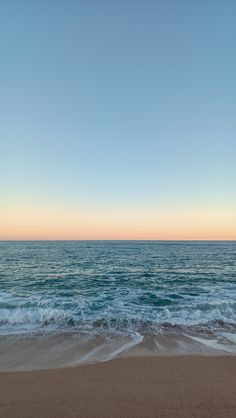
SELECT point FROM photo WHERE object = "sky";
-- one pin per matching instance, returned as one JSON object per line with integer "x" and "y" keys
{"x": 117, "y": 119}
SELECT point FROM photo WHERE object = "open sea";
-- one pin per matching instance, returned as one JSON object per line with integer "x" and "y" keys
{"x": 71, "y": 302}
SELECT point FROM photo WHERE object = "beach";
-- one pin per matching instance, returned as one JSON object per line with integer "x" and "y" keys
{"x": 117, "y": 329}
{"x": 181, "y": 386}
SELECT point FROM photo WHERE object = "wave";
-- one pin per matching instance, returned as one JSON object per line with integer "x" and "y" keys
{"x": 23, "y": 320}
{"x": 114, "y": 310}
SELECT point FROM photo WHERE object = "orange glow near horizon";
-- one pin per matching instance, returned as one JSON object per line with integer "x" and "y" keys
{"x": 65, "y": 224}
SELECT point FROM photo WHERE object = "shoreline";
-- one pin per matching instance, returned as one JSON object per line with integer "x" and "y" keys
{"x": 141, "y": 387}
{"x": 61, "y": 350}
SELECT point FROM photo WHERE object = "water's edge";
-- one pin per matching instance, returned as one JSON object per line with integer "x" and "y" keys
{"x": 57, "y": 350}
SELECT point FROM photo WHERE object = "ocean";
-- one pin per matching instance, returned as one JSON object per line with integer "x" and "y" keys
{"x": 85, "y": 301}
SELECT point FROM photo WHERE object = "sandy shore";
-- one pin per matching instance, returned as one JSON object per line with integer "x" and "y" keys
{"x": 134, "y": 387}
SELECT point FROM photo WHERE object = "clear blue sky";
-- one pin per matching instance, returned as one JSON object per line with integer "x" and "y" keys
{"x": 118, "y": 104}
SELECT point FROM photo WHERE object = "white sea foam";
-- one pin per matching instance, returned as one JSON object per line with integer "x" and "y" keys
{"x": 215, "y": 344}
{"x": 229, "y": 336}
{"x": 111, "y": 348}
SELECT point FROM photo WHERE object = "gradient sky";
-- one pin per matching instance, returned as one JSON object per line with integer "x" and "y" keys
{"x": 118, "y": 119}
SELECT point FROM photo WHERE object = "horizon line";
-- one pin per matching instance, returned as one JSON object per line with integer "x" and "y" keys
{"x": 125, "y": 239}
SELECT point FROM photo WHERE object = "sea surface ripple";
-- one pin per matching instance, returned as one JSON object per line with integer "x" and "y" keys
{"x": 133, "y": 286}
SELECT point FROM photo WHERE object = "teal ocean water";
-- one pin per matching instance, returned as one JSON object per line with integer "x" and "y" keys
{"x": 70, "y": 302}
{"x": 128, "y": 286}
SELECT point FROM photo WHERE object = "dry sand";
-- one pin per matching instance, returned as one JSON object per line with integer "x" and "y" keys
{"x": 184, "y": 387}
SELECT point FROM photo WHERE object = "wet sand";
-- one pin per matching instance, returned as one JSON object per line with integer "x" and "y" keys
{"x": 50, "y": 351}
{"x": 180, "y": 387}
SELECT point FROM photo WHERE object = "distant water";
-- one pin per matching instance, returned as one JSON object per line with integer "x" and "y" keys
{"x": 128, "y": 287}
